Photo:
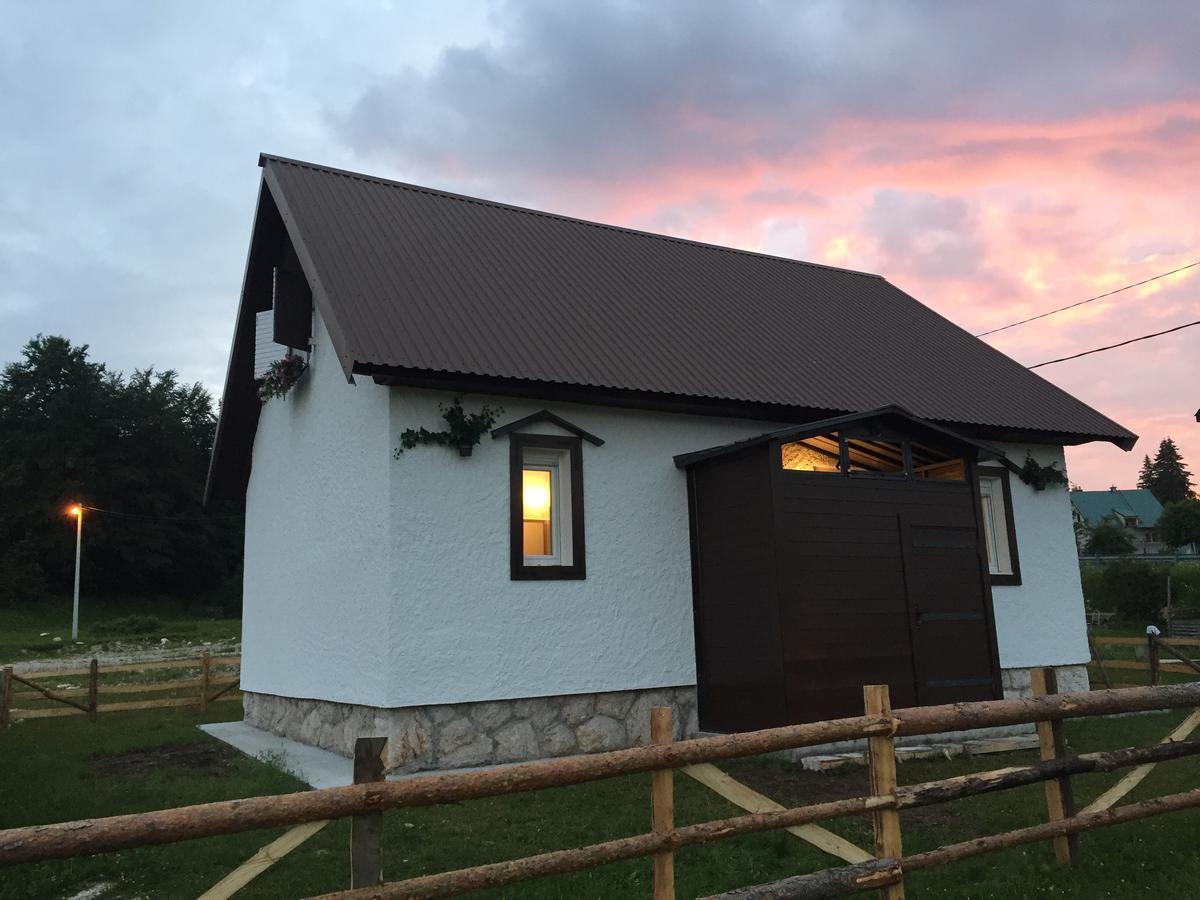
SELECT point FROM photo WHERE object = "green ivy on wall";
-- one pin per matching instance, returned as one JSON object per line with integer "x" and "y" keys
{"x": 463, "y": 429}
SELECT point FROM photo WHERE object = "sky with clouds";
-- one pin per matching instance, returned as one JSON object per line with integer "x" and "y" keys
{"x": 993, "y": 160}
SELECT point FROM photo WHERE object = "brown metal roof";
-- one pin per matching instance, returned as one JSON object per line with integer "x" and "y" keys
{"x": 416, "y": 279}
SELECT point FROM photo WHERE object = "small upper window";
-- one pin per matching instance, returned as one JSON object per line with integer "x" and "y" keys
{"x": 929, "y": 462}
{"x": 875, "y": 457}
{"x": 546, "y": 483}
{"x": 1131, "y": 521}
{"x": 999, "y": 533}
{"x": 821, "y": 453}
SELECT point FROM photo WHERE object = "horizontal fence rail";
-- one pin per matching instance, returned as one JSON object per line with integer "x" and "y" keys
{"x": 31, "y": 690}
{"x": 71, "y": 839}
{"x": 882, "y": 872}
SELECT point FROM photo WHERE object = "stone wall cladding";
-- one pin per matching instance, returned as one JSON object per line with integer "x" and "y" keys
{"x": 477, "y": 734}
{"x": 461, "y": 735}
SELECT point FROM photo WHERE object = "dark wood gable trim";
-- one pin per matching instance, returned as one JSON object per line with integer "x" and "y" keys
{"x": 546, "y": 416}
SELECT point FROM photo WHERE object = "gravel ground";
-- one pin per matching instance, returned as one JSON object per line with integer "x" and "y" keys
{"x": 115, "y": 653}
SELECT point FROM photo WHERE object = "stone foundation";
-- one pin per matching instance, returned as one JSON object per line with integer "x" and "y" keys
{"x": 506, "y": 731}
{"x": 477, "y": 734}
{"x": 1015, "y": 682}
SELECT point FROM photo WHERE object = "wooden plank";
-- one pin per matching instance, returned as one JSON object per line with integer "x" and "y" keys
{"x": 205, "y": 677}
{"x": 191, "y": 662}
{"x": 262, "y": 860}
{"x": 750, "y": 800}
{"x": 49, "y": 695}
{"x": 1145, "y": 667}
{"x": 154, "y": 688}
{"x": 366, "y": 829}
{"x": 1138, "y": 642}
{"x": 1182, "y": 657}
{"x": 1060, "y": 802}
{"x": 6, "y": 693}
{"x": 112, "y": 707}
{"x": 881, "y": 757}
{"x": 93, "y": 684}
{"x": 1135, "y": 776}
{"x": 1097, "y": 658}
{"x": 662, "y": 805}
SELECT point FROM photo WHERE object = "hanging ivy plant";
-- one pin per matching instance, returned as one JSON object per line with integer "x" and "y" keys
{"x": 463, "y": 429}
{"x": 1040, "y": 477}
{"x": 281, "y": 376}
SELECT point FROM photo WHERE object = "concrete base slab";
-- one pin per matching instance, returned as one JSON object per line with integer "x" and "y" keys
{"x": 315, "y": 767}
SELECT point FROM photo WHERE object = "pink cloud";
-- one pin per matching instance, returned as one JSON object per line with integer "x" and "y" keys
{"x": 989, "y": 222}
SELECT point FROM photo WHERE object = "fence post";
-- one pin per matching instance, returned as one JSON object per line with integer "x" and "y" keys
{"x": 5, "y": 695}
{"x": 1098, "y": 658}
{"x": 881, "y": 756}
{"x": 205, "y": 676}
{"x": 93, "y": 689}
{"x": 366, "y": 829}
{"x": 662, "y": 804}
{"x": 1052, "y": 744}
{"x": 1152, "y": 654}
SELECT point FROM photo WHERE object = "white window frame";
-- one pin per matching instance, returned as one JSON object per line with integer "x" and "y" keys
{"x": 995, "y": 524}
{"x": 558, "y": 464}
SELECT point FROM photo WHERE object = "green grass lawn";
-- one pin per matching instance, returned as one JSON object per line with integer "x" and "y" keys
{"x": 62, "y": 769}
{"x": 28, "y": 631}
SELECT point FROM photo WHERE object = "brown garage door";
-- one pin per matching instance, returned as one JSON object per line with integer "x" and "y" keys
{"x": 880, "y": 582}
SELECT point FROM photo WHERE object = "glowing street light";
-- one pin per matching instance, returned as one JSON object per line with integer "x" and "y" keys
{"x": 77, "y": 511}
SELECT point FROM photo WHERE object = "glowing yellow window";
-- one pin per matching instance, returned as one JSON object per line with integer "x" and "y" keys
{"x": 537, "y": 513}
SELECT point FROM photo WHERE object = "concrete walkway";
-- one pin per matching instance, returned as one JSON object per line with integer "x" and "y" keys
{"x": 316, "y": 767}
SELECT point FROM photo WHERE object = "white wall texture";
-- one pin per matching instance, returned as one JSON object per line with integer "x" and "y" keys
{"x": 1040, "y": 622}
{"x": 385, "y": 582}
{"x": 627, "y": 625}
{"x": 316, "y": 584}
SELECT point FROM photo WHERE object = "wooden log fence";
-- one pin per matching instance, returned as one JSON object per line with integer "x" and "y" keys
{"x": 880, "y": 725}
{"x": 91, "y": 707}
{"x": 1153, "y": 646}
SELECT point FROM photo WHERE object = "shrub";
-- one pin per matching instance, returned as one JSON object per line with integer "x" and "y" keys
{"x": 1185, "y": 590}
{"x": 1134, "y": 590}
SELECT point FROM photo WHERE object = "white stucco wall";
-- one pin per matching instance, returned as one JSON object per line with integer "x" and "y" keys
{"x": 1040, "y": 622}
{"x": 463, "y": 630}
{"x": 317, "y": 592}
{"x": 386, "y": 582}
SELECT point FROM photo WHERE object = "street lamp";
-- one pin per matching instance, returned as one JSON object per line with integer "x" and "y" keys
{"x": 77, "y": 511}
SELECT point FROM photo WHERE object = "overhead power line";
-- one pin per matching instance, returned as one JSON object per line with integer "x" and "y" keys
{"x": 1089, "y": 300}
{"x": 126, "y": 515}
{"x": 1144, "y": 337}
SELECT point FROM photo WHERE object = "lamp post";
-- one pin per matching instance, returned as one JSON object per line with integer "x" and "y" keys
{"x": 77, "y": 511}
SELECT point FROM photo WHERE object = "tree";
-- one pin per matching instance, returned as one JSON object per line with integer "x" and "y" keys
{"x": 138, "y": 448}
{"x": 1166, "y": 477}
{"x": 1179, "y": 524}
{"x": 1108, "y": 538}
{"x": 1146, "y": 475}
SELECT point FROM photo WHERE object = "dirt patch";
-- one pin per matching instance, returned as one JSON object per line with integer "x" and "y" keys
{"x": 791, "y": 786}
{"x": 205, "y": 759}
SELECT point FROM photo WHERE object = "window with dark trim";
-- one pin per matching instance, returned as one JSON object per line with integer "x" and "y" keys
{"x": 999, "y": 529}
{"x": 546, "y": 507}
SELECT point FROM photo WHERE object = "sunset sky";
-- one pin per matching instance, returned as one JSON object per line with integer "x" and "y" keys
{"x": 993, "y": 160}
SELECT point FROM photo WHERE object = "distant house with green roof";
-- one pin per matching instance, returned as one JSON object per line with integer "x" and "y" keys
{"x": 1136, "y": 510}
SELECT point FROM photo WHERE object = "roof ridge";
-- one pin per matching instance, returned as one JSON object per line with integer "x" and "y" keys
{"x": 263, "y": 158}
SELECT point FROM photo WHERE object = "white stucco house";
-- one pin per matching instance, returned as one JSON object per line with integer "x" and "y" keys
{"x": 733, "y": 483}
